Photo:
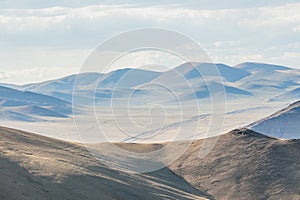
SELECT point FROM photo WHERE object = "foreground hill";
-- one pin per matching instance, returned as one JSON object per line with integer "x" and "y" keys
{"x": 36, "y": 167}
{"x": 281, "y": 124}
{"x": 244, "y": 165}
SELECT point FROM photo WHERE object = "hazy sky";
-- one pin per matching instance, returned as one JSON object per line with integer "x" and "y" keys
{"x": 42, "y": 39}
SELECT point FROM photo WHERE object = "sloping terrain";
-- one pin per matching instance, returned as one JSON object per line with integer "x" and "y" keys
{"x": 292, "y": 95}
{"x": 127, "y": 78}
{"x": 17, "y": 105}
{"x": 118, "y": 82}
{"x": 243, "y": 81}
{"x": 253, "y": 66}
{"x": 35, "y": 167}
{"x": 244, "y": 165}
{"x": 8, "y": 115}
{"x": 267, "y": 79}
{"x": 29, "y": 97}
{"x": 61, "y": 84}
{"x": 281, "y": 124}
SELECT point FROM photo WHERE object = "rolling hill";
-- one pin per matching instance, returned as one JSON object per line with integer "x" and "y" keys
{"x": 29, "y": 106}
{"x": 261, "y": 80}
{"x": 245, "y": 82}
{"x": 26, "y": 97}
{"x": 89, "y": 82}
{"x": 292, "y": 95}
{"x": 227, "y": 73}
{"x": 244, "y": 165}
{"x": 268, "y": 80}
{"x": 61, "y": 84}
{"x": 36, "y": 167}
{"x": 254, "y": 67}
{"x": 281, "y": 124}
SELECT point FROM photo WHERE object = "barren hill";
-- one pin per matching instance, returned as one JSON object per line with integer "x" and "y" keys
{"x": 35, "y": 167}
{"x": 244, "y": 165}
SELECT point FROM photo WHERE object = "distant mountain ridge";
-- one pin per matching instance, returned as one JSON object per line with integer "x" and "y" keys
{"x": 30, "y": 97}
{"x": 185, "y": 83}
{"x": 247, "y": 78}
{"x": 131, "y": 78}
{"x": 254, "y": 66}
{"x": 292, "y": 95}
{"x": 29, "y": 106}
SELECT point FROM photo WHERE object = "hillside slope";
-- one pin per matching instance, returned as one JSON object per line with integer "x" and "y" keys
{"x": 291, "y": 95}
{"x": 244, "y": 165}
{"x": 281, "y": 124}
{"x": 18, "y": 105}
{"x": 36, "y": 167}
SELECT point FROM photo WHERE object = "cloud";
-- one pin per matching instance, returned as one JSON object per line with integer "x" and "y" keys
{"x": 58, "y": 33}
{"x": 282, "y": 16}
{"x": 87, "y": 26}
{"x": 296, "y": 28}
{"x": 32, "y": 75}
{"x": 27, "y": 58}
{"x": 196, "y": 4}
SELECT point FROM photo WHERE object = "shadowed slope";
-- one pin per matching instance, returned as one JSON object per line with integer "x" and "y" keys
{"x": 36, "y": 167}
{"x": 243, "y": 165}
{"x": 282, "y": 124}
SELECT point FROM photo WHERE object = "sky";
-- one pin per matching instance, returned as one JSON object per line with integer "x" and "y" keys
{"x": 41, "y": 39}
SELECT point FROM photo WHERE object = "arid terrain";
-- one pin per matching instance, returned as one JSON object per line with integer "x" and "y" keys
{"x": 243, "y": 165}
{"x": 36, "y": 167}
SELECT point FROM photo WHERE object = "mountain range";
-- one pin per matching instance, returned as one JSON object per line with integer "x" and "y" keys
{"x": 30, "y": 106}
{"x": 243, "y": 83}
{"x": 247, "y": 79}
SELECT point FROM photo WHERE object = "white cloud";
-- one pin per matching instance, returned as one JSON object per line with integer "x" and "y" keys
{"x": 226, "y": 44}
{"x": 296, "y": 28}
{"x": 60, "y": 25}
{"x": 32, "y": 75}
{"x": 273, "y": 16}
{"x": 197, "y": 4}
{"x": 41, "y": 18}
{"x": 58, "y": 36}
{"x": 39, "y": 64}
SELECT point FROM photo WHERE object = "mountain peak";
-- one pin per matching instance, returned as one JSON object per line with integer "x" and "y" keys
{"x": 245, "y": 132}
